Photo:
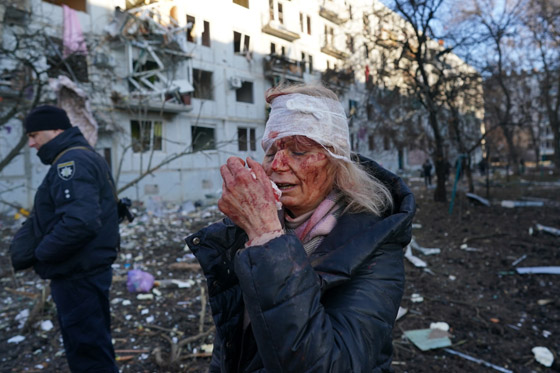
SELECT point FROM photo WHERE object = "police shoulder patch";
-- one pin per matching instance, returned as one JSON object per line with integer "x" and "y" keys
{"x": 66, "y": 170}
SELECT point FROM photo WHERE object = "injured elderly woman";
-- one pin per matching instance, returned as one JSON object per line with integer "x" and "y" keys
{"x": 305, "y": 273}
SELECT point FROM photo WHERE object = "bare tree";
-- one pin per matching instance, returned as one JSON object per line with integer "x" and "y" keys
{"x": 543, "y": 20}
{"x": 497, "y": 26}
{"x": 22, "y": 80}
{"x": 430, "y": 74}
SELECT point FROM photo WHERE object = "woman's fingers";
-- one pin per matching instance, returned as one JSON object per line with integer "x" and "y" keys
{"x": 257, "y": 168}
{"x": 247, "y": 195}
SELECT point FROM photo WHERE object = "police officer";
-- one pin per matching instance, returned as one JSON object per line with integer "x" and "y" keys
{"x": 75, "y": 221}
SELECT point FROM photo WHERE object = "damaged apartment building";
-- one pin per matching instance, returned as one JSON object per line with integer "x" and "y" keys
{"x": 166, "y": 91}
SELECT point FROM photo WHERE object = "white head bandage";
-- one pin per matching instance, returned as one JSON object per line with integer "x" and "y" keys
{"x": 319, "y": 118}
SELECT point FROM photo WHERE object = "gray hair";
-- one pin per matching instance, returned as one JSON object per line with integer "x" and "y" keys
{"x": 362, "y": 191}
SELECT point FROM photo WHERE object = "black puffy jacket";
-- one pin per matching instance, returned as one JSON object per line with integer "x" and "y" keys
{"x": 75, "y": 210}
{"x": 331, "y": 312}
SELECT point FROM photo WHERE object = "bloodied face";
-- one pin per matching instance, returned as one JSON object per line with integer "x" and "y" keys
{"x": 302, "y": 170}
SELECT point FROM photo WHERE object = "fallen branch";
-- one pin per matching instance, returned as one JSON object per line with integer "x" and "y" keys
{"x": 469, "y": 239}
{"x": 187, "y": 266}
{"x": 171, "y": 331}
{"x": 202, "y": 309}
{"x": 132, "y": 351}
{"x": 24, "y": 293}
{"x": 198, "y": 354}
{"x": 37, "y": 309}
{"x": 124, "y": 358}
{"x": 176, "y": 348}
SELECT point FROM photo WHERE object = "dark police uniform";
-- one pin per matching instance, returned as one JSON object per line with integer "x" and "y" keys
{"x": 75, "y": 213}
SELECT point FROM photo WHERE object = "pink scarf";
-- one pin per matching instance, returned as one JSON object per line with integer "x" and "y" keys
{"x": 319, "y": 224}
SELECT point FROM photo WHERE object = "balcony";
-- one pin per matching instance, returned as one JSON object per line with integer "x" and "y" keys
{"x": 281, "y": 67}
{"x": 150, "y": 104}
{"x": 338, "y": 80}
{"x": 173, "y": 98}
{"x": 279, "y": 30}
{"x": 333, "y": 51}
{"x": 335, "y": 13}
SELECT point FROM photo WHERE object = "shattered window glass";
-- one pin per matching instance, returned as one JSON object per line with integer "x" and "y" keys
{"x": 202, "y": 82}
{"x": 242, "y": 139}
{"x": 202, "y": 138}
{"x": 146, "y": 135}
{"x": 245, "y": 93}
{"x": 191, "y": 29}
{"x": 246, "y": 139}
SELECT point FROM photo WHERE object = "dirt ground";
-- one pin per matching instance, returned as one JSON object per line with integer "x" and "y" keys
{"x": 495, "y": 315}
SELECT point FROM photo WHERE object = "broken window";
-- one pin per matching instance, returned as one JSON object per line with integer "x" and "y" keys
{"x": 244, "y": 3}
{"x": 144, "y": 82}
{"x": 245, "y": 93}
{"x": 272, "y": 48}
{"x": 202, "y": 82}
{"x": 146, "y": 135}
{"x": 246, "y": 139}
{"x": 74, "y": 66}
{"x": 206, "y": 34}
{"x": 280, "y": 13}
{"x": 271, "y": 9}
{"x": 241, "y": 42}
{"x": 190, "y": 30}
{"x": 305, "y": 23}
{"x": 202, "y": 138}
{"x": 74, "y": 4}
{"x": 329, "y": 36}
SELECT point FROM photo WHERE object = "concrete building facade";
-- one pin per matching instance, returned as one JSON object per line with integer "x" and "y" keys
{"x": 176, "y": 87}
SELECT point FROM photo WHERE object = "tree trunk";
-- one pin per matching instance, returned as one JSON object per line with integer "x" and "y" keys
{"x": 440, "y": 193}
{"x": 513, "y": 158}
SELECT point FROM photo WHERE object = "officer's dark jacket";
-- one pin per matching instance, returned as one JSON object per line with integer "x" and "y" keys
{"x": 75, "y": 210}
{"x": 331, "y": 312}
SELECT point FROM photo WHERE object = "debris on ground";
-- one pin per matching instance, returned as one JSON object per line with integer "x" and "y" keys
{"x": 498, "y": 315}
{"x": 424, "y": 250}
{"x": 413, "y": 258}
{"x": 478, "y": 361}
{"x": 478, "y": 199}
{"x": 436, "y": 336}
{"x": 543, "y": 355}
{"x": 543, "y": 228}
{"x": 512, "y": 204}
{"x": 538, "y": 270}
